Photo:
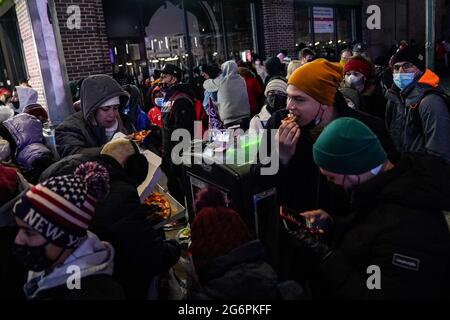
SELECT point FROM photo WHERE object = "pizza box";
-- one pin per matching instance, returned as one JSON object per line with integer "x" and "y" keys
{"x": 178, "y": 211}
{"x": 154, "y": 171}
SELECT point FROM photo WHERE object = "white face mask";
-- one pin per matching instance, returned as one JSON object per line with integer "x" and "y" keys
{"x": 355, "y": 82}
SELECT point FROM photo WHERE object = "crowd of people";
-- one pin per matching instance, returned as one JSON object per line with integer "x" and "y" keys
{"x": 364, "y": 151}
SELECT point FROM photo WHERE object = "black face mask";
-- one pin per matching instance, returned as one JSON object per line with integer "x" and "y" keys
{"x": 276, "y": 102}
{"x": 32, "y": 258}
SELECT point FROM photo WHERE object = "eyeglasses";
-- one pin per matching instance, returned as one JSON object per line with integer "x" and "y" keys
{"x": 404, "y": 66}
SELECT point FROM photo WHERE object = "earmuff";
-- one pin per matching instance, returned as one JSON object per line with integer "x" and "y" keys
{"x": 136, "y": 165}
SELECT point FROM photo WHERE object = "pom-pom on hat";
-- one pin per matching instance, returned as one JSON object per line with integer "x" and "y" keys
{"x": 61, "y": 208}
{"x": 409, "y": 54}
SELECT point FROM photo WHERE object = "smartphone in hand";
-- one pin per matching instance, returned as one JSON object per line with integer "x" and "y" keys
{"x": 293, "y": 221}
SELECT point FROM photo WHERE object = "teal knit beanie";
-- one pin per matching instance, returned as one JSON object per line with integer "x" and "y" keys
{"x": 348, "y": 146}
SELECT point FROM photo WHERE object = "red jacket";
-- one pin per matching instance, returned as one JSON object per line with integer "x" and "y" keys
{"x": 254, "y": 90}
{"x": 154, "y": 116}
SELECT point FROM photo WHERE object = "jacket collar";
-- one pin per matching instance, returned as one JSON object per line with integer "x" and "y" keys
{"x": 264, "y": 114}
{"x": 92, "y": 257}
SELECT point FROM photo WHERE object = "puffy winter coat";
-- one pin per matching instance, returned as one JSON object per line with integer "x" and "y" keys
{"x": 77, "y": 133}
{"x": 425, "y": 129}
{"x": 26, "y": 130}
{"x": 396, "y": 223}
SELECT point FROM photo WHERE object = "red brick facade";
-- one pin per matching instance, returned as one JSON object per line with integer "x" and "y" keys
{"x": 30, "y": 51}
{"x": 279, "y": 26}
{"x": 86, "y": 49}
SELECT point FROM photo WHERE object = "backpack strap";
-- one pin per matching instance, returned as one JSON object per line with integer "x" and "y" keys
{"x": 178, "y": 95}
{"x": 389, "y": 113}
{"x": 415, "y": 107}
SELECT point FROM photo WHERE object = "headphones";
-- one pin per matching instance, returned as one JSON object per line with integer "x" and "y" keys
{"x": 136, "y": 165}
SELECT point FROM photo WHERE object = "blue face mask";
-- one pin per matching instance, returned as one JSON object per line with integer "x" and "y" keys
{"x": 159, "y": 102}
{"x": 403, "y": 80}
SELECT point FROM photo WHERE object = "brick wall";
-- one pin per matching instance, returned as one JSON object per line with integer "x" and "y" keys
{"x": 86, "y": 49}
{"x": 279, "y": 27}
{"x": 29, "y": 49}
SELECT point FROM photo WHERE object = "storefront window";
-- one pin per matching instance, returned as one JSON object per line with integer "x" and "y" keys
{"x": 238, "y": 27}
{"x": 166, "y": 42}
{"x": 217, "y": 30}
{"x": 324, "y": 31}
{"x": 327, "y": 29}
{"x": 127, "y": 61}
{"x": 206, "y": 33}
{"x": 303, "y": 26}
{"x": 344, "y": 27}
{"x": 12, "y": 67}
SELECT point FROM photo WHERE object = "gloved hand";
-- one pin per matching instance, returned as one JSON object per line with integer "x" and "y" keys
{"x": 311, "y": 242}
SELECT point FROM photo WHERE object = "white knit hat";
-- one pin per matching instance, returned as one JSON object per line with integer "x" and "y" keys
{"x": 276, "y": 85}
{"x": 111, "y": 102}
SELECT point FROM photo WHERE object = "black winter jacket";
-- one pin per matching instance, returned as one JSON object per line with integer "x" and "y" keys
{"x": 177, "y": 113}
{"x": 395, "y": 223}
{"x": 96, "y": 287}
{"x": 244, "y": 274}
{"x": 425, "y": 129}
{"x": 300, "y": 185}
{"x": 77, "y": 136}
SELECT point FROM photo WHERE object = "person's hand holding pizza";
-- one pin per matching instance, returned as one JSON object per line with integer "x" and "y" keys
{"x": 286, "y": 138}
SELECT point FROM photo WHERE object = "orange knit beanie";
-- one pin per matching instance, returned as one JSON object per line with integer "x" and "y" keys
{"x": 319, "y": 79}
